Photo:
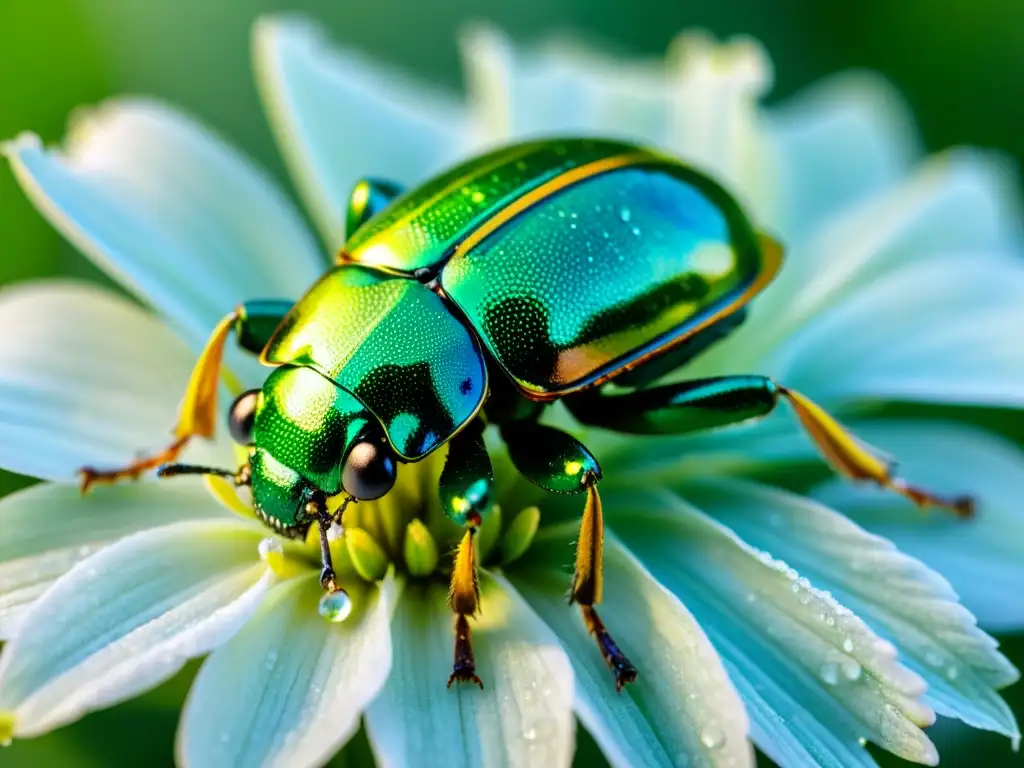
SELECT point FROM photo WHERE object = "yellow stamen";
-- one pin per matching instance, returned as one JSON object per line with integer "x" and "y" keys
{"x": 6, "y": 728}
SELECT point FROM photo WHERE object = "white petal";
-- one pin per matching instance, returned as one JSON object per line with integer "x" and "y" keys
{"x": 129, "y": 617}
{"x": 170, "y": 211}
{"x": 88, "y": 379}
{"x": 338, "y": 118}
{"x": 838, "y": 143}
{"x": 34, "y": 551}
{"x": 682, "y": 710}
{"x": 522, "y": 717}
{"x": 562, "y": 89}
{"x": 960, "y": 202}
{"x": 899, "y": 596}
{"x": 288, "y": 690}
{"x": 784, "y": 642}
{"x": 983, "y": 558}
{"x": 716, "y": 123}
{"x": 947, "y": 330}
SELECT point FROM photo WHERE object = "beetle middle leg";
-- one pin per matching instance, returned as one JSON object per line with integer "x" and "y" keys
{"x": 691, "y": 406}
{"x": 560, "y": 463}
{"x": 252, "y": 323}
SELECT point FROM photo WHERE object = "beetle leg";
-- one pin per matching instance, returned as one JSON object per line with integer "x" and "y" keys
{"x": 692, "y": 406}
{"x": 588, "y": 583}
{"x": 252, "y": 324}
{"x": 464, "y": 598}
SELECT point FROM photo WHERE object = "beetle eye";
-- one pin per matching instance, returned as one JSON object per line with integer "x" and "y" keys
{"x": 369, "y": 470}
{"x": 242, "y": 415}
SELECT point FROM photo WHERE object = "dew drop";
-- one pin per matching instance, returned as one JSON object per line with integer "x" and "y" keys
{"x": 711, "y": 736}
{"x": 830, "y": 620}
{"x": 625, "y": 214}
{"x": 335, "y": 606}
{"x": 829, "y": 673}
{"x": 933, "y": 659}
{"x": 636, "y": 231}
{"x": 530, "y": 734}
{"x": 862, "y": 741}
{"x": 952, "y": 672}
{"x": 268, "y": 547}
{"x": 848, "y": 645}
{"x": 851, "y": 670}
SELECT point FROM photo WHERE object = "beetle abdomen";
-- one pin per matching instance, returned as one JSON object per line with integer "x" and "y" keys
{"x": 604, "y": 273}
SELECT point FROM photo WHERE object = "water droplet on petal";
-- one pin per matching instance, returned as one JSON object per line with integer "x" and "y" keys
{"x": 851, "y": 670}
{"x": 530, "y": 734}
{"x": 711, "y": 736}
{"x": 848, "y": 645}
{"x": 952, "y": 672}
{"x": 269, "y": 547}
{"x": 335, "y": 606}
{"x": 862, "y": 741}
{"x": 625, "y": 214}
{"x": 829, "y": 674}
{"x": 933, "y": 659}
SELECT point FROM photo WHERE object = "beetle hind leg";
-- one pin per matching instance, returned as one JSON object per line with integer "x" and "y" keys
{"x": 588, "y": 582}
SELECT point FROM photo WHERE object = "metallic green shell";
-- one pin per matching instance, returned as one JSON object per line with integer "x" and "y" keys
{"x": 304, "y": 427}
{"x": 603, "y": 274}
{"x": 393, "y": 344}
{"x": 419, "y": 229}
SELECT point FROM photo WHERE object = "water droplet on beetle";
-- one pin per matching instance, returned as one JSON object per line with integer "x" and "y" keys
{"x": 335, "y": 606}
{"x": 711, "y": 736}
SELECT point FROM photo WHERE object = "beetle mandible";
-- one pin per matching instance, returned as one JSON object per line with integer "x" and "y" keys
{"x": 537, "y": 272}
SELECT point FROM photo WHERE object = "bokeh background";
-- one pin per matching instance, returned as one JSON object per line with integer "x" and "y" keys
{"x": 959, "y": 64}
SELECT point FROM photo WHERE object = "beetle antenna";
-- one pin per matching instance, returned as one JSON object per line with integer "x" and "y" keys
{"x": 173, "y": 470}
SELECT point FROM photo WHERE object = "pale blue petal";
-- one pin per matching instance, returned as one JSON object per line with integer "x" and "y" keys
{"x": 88, "y": 379}
{"x": 523, "y": 715}
{"x": 562, "y": 88}
{"x": 682, "y": 710}
{"x": 34, "y": 552}
{"x": 811, "y": 698}
{"x": 129, "y": 617}
{"x": 960, "y": 205}
{"x": 338, "y": 117}
{"x": 945, "y": 330}
{"x": 983, "y": 558}
{"x": 839, "y": 142}
{"x": 170, "y": 211}
{"x": 900, "y": 597}
{"x": 288, "y": 690}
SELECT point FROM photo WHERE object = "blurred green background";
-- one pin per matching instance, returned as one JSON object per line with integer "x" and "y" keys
{"x": 960, "y": 66}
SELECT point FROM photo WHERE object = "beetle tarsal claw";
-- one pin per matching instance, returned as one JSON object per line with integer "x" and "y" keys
{"x": 619, "y": 663}
{"x": 464, "y": 669}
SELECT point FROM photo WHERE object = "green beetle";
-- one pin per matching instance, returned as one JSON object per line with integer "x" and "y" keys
{"x": 534, "y": 273}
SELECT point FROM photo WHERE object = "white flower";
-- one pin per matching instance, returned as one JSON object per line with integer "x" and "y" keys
{"x": 903, "y": 285}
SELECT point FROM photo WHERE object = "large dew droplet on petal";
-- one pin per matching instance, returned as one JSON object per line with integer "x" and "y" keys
{"x": 336, "y": 606}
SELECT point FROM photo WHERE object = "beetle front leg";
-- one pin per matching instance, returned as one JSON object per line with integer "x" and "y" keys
{"x": 692, "y": 406}
{"x": 252, "y": 323}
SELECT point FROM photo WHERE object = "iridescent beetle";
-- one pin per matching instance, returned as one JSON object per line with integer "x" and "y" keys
{"x": 535, "y": 273}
